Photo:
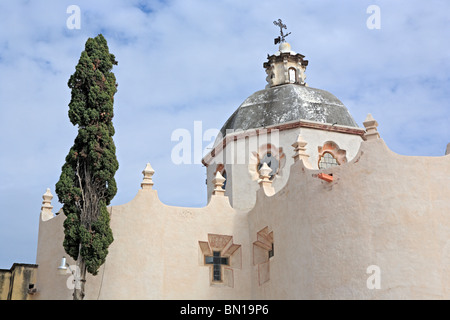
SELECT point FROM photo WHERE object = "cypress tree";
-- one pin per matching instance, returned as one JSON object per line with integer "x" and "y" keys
{"x": 87, "y": 185}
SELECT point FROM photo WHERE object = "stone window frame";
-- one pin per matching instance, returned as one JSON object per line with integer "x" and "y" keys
{"x": 262, "y": 247}
{"x": 256, "y": 157}
{"x": 223, "y": 244}
{"x": 332, "y": 148}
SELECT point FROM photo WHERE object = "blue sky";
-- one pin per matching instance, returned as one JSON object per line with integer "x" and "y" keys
{"x": 196, "y": 60}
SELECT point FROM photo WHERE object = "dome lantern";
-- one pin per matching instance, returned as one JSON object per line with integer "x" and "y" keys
{"x": 285, "y": 66}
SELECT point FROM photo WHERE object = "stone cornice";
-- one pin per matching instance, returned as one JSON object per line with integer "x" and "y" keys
{"x": 282, "y": 55}
{"x": 280, "y": 127}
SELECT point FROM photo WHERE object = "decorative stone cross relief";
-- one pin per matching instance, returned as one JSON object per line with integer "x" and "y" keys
{"x": 222, "y": 256}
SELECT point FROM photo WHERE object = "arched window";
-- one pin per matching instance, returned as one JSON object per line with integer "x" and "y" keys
{"x": 292, "y": 75}
{"x": 270, "y": 154}
{"x": 217, "y": 261}
{"x": 331, "y": 155}
{"x": 327, "y": 160}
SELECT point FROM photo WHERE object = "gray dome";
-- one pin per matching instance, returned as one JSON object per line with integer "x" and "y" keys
{"x": 286, "y": 103}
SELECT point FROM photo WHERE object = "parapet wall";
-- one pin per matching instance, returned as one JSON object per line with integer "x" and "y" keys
{"x": 377, "y": 227}
{"x": 381, "y": 211}
{"x": 158, "y": 251}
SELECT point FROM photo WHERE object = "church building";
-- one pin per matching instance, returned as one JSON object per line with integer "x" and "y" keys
{"x": 302, "y": 204}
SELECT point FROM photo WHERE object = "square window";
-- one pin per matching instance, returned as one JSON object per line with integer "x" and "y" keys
{"x": 209, "y": 260}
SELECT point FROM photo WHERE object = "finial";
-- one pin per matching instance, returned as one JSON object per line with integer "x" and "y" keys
{"x": 218, "y": 184}
{"x": 300, "y": 152}
{"x": 282, "y": 36}
{"x": 264, "y": 172}
{"x": 299, "y": 148}
{"x": 265, "y": 181}
{"x": 148, "y": 172}
{"x": 46, "y": 209}
{"x": 371, "y": 128}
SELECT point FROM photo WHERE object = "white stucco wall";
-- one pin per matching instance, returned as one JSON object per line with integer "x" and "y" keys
{"x": 242, "y": 183}
{"x": 381, "y": 209}
{"x": 155, "y": 253}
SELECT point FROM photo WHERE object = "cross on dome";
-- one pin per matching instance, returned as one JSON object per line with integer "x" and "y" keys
{"x": 282, "y": 37}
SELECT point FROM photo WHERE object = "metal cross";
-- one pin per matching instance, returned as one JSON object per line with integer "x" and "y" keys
{"x": 282, "y": 37}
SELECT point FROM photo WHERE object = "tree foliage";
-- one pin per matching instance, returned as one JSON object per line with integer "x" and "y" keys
{"x": 87, "y": 185}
